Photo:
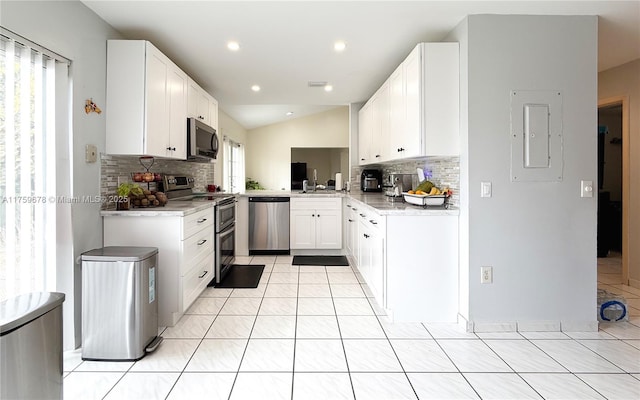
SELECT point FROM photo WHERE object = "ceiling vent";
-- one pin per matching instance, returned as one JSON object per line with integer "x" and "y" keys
{"x": 317, "y": 84}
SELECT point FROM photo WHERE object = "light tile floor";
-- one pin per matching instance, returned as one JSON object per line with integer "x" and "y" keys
{"x": 312, "y": 333}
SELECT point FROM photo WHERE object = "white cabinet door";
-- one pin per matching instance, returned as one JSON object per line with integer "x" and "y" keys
{"x": 380, "y": 122}
{"x": 303, "y": 229}
{"x": 328, "y": 229}
{"x": 177, "y": 95}
{"x": 146, "y": 101}
{"x": 365, "y": 127}
{"x": 408, "y": 139}
{"x": 213, "y": 113}
{"x": 397, "y": 114}
{"x": 157, "y": 127}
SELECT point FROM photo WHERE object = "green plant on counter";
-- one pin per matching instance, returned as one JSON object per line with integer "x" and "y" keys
{"x": 126, "y": 188}
{"x": 253, "y": 185}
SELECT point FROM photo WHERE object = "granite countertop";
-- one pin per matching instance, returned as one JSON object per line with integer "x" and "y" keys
{"x": 384, "y": 206}
{"x": 378, "y": 201}
{"x": 292, "y": 193}
{"x": 173, "y": 208}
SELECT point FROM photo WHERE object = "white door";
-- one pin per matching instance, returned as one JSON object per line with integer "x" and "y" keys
{"x": 328, "y": 229}
{"x": 303, "y": 229}
{"x": 156, "y": 113}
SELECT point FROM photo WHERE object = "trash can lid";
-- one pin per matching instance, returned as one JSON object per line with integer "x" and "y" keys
{"x": 119, "y": 253}
{"x": 22, "y": 309}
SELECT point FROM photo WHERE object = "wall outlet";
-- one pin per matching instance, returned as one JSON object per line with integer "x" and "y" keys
{"x": 486, "y": 274}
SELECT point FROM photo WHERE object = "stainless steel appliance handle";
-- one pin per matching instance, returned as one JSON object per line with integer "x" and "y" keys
{"x": 225, "y": 206}
{"x": 227, "y": 232}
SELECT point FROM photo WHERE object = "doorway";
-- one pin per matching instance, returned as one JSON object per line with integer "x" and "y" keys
{"x": 613, "y": 180}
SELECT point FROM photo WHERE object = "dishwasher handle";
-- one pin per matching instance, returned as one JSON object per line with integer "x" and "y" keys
{"x": 269, "y": 199}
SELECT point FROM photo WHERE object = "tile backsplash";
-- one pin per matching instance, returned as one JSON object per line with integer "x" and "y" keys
{"x": 113, "y": 167}
{"x": 442, "y": 171}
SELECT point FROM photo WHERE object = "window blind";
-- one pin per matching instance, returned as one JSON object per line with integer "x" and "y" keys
{"x": 27, "y": 166}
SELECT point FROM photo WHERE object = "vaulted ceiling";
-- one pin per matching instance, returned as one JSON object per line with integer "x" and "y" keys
{"x": 286, "y": 45}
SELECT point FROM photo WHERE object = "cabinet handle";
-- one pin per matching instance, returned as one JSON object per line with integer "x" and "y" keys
{"x": 363, "y": 215}
{"x": 318, "y": 215}
{"x": 362, "y": 159}
{"x": 401, "y": 149}
{"x": 171, "y": 148}
{"x": 202, "y": 276}
{"x": 373, "y": 222}
{"x": 348, "y": 206}
{"x": 377, "y": 155}
{"x": 313, "y": 215}
{"x": 355, "y": 209}
{"x": 350, "y": 220}
{"x": 201, "y": 220}
{"x": 366, "y": 236}
{"x": 200, "y": 117}
{"x": 203, "y": 241}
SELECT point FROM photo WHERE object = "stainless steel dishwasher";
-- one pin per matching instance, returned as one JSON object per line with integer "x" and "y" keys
{"x": 268, "y": 225}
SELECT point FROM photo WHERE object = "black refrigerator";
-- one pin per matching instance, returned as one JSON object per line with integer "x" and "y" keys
{"x": 298, "y": 174}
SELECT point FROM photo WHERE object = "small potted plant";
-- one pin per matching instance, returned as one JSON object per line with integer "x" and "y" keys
{"x": 123, "y": 191}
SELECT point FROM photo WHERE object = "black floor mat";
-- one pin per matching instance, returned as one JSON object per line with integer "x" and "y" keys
{"x": 330, "y": 261}
{"x": 242, "y": 277}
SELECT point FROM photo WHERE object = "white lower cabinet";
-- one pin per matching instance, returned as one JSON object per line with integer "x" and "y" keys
{"x": 371, "y": 254}
{"x": 409, "y": 262}
{"x": 185, "y": 254}
{"x": 315, "y": 223}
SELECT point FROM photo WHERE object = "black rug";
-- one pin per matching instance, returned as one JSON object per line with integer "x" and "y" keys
{"x": 330, "y": 261}
{"x": 242, "y": 277}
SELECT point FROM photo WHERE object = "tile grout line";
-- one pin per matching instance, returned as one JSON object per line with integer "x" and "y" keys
{"x": 344, "y": 350}
{"x": 295, "y": 336}
{"x": 235, "y": 379}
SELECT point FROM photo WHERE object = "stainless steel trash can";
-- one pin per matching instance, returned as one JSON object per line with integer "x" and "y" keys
{"x": 119, "y": 303}
{"x": 31, "y": 346}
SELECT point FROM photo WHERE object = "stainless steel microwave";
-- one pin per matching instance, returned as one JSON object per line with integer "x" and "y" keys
{"x": 202, "y": 141}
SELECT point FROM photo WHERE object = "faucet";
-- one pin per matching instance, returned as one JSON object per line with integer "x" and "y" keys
{"x": 315, "y": 179}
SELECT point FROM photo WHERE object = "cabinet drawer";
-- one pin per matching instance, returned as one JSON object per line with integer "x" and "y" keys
{"x": 196, "y": 281}
{"x": 196, "y": 222}
{"x": 371, "y": 219}
{"x": 316, "y": 203}
{"x": 196, "y": 247}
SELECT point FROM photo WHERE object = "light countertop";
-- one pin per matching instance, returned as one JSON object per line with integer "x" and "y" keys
{"x": 377, "y": 201}
{"x": 171, "y": 209}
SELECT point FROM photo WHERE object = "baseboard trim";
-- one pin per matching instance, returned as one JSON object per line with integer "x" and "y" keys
{"x": 528, "y": 326}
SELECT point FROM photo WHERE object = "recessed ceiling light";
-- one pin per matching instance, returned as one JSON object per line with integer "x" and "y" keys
{"x": 328, "y": 88}
{"x": 339, "y": 46}
{"x": 255, "y": 88}
{"x": 290, "y": 113}
{"x": 233, "y": 46}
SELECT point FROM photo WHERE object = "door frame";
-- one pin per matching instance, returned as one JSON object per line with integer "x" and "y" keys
{"x": 624, "y": 102}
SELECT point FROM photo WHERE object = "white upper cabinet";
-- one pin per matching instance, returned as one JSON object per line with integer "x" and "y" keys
{"x": 146, "y": 101}
{"x": 202, "y": 105}
{"x": 418, "y": 113}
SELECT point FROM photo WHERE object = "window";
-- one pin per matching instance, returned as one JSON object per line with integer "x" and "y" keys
{"x": 28, "y": 82}
{"x": 233, "y": 168}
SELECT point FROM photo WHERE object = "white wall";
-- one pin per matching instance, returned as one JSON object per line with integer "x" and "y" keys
{"x": 268, "y": 151}
{"x": 73, "y": 31}
{"x": 625, "y": 81}
{"x": 539, "y": 237}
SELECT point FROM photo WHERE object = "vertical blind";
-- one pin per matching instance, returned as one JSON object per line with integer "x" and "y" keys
{"x": 233, "y": 169}
{"x": 27, "y": 168}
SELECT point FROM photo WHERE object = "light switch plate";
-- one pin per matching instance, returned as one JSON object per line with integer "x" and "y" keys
{"x": 91, "y": 153}
{"x": 485, "y": 189}
{"x": 586, "y": 188}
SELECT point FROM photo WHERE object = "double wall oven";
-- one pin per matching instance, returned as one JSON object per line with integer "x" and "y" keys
{"x": 180, "y": 188}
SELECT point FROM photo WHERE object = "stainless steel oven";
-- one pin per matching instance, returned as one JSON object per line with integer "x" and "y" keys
{"x": 225, "y": 237}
